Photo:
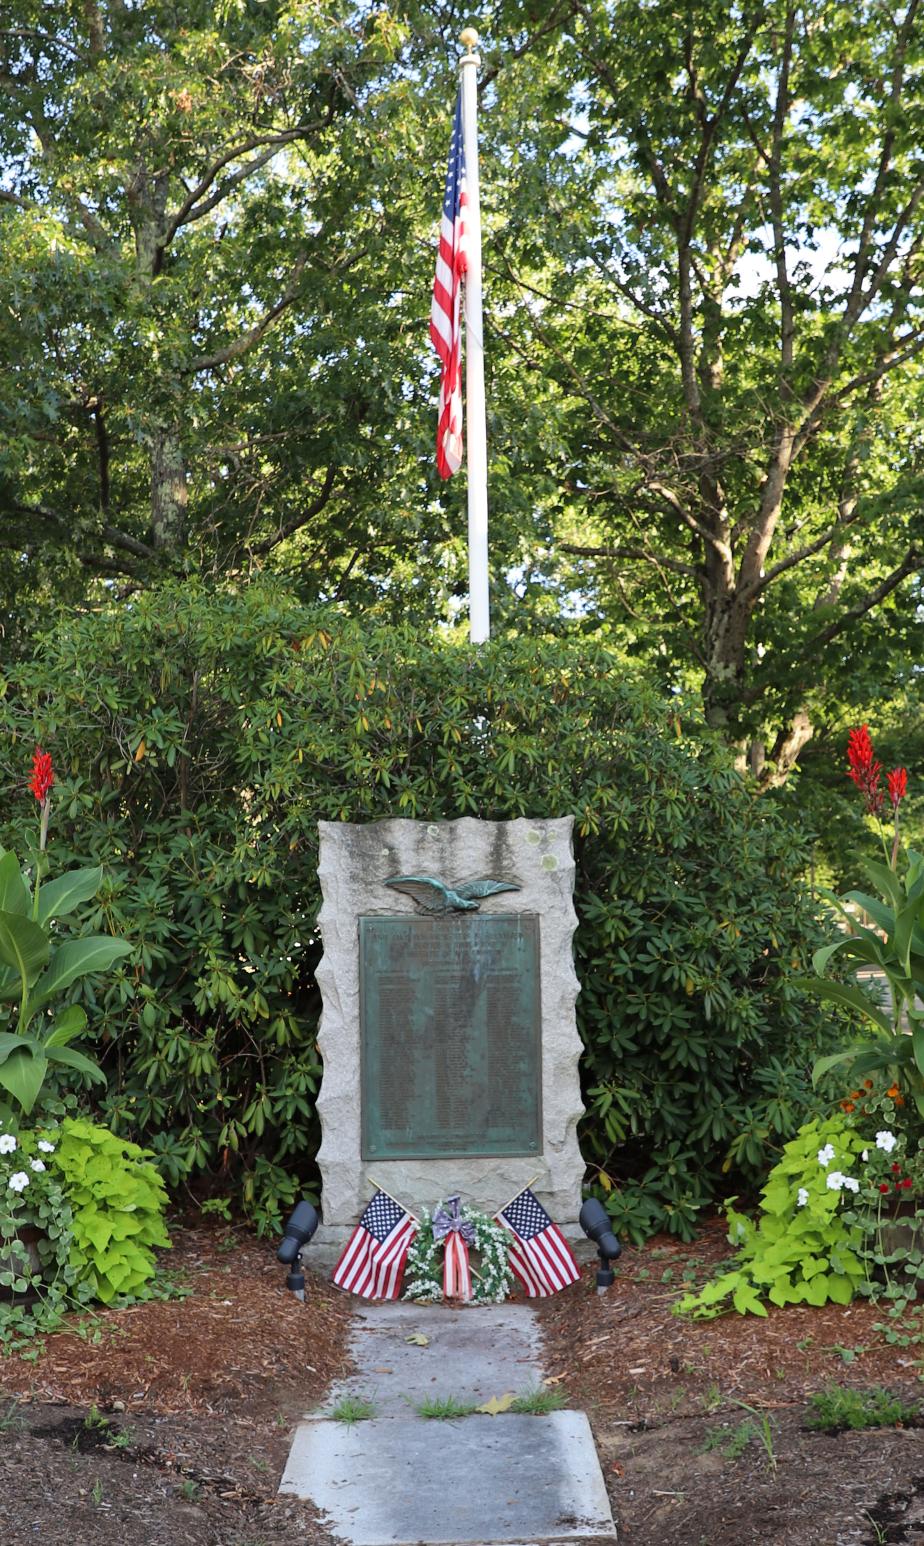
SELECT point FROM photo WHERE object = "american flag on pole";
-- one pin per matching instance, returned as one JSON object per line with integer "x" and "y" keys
{"x": 540, "y": 1255}
{"x": 444, "y": 310}
{"x": 373, "y": 1262}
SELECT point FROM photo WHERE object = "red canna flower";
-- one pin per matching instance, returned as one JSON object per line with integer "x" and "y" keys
{"x": 897, "y": 781}
{"x": 42, "y": 774}
{"x": 864, "y": 769}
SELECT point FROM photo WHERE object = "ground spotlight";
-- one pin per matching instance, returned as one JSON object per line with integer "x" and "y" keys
{"x": 595, "y": 1222}
{"x": 300, "y": 1226}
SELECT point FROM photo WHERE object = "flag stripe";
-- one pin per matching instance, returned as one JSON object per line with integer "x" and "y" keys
{"x": 445, "y": 330}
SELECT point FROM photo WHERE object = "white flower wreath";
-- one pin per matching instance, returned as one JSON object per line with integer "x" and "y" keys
{"x": 492, "y": 1277}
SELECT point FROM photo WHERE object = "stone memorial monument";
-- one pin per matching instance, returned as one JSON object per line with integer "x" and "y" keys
{"x": 447, "y": 1033}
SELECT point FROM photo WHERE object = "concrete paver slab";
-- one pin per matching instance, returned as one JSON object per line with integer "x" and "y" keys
{"x": 400, "y": 1482}
{"x": 471, "y": 1354}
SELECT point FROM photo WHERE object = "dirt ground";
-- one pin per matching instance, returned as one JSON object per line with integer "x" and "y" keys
{"x": 672, "y": 1401}
{"x": 168, "y": 1424}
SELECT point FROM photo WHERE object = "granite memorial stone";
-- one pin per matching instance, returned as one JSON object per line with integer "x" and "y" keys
{"x": 448, "y": 1034}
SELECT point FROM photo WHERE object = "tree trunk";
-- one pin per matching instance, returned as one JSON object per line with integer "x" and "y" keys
{"x": 169, "y": 493}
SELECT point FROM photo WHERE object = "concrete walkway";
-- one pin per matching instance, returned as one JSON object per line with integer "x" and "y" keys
{"x": 400, "y": 1479}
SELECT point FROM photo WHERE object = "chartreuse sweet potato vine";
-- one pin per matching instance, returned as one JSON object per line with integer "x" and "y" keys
{"x": 804, "y": 1246}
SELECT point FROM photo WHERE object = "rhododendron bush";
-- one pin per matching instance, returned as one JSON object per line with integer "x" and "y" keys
{"x": 198, "y": 736}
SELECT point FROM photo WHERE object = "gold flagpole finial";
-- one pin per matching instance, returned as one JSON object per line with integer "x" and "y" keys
{"x": 470, "y": 38}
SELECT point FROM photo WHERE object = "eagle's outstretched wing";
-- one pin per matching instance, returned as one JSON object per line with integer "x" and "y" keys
{"x": 426, "y": 890}
{"x": 474, "y": 890}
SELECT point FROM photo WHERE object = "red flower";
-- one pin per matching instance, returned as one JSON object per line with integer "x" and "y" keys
{"x": 906, "y": 1183}
{"x": 864, "y": 769}
{"x": 42, "y": 774}
{"x": 884, "y": 1187}
{"x": 897, "y": 781}
{"x": 896, "y": 1169}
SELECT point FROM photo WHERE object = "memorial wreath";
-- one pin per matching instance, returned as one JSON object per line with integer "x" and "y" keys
{"x": 438, "y": 1265}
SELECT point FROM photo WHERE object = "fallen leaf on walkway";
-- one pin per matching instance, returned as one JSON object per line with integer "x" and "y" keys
{"x": 418, "y": 1339}
{"x": 383, "y": 1371}
{"x": 553, "y": 1379}
{"x": 498, "y": 1404}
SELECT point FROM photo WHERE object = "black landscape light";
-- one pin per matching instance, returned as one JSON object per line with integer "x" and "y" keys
{"x": 595, "y": 1222}
{"x": 300, "y": 1226}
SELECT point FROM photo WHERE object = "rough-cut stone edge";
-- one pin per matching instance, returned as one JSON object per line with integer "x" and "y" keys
{"x": 354, "y": 861}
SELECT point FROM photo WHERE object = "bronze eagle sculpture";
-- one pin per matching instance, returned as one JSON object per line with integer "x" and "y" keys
{"x": 436, "y": 897}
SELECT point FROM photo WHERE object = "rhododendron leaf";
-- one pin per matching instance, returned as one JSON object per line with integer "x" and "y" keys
{"x": 23, "y": 1075}
{"x": 61, "y": 895}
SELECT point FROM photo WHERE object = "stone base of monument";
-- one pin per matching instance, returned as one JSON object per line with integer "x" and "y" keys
{"x": 401, "y": 1479}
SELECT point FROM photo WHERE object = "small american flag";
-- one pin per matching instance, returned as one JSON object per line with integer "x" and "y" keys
{"x": 444, "y": 311}
{"x": 373, "y": 1262}
{"x": 540, "y": 1255}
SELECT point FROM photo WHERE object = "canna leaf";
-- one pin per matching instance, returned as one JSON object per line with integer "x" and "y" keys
{"x": 78, "y": 958}
{"x": 61, "y": 895}
{"x": 845, "y": 993}
{"x": 23, "y": 1074}
{"x": 23, "y": 945}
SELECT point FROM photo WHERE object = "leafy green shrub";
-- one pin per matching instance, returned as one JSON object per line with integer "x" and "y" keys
{"x": 199, "y": 736}
{"x": 117, "y": 1200}
{"x": 838, "y": 1407}
{"x": 804, "y": 1247}
{"x": 80, "y": 1213}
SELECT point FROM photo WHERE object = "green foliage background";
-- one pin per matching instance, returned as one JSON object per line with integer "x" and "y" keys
{"x": 198, "y": 737}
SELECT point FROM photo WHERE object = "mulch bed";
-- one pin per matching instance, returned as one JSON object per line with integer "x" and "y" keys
{"x": 168, "y": 1423}
{"x": 668, "y": 1398}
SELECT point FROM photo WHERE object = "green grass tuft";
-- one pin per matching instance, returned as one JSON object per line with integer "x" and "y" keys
{"x": 538, "y": 1402}
{"x": 444, "y": 1408}
{"x": 353, "y": 1409}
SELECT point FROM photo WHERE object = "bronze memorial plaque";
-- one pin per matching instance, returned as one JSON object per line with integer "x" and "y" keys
{"x": 450, "y": 1034}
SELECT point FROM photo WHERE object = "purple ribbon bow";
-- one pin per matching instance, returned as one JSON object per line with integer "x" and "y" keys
{"x": 446, "y": 1220}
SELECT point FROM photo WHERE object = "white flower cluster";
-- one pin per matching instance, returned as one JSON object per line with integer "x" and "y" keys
{"x": 836, "y": 1181}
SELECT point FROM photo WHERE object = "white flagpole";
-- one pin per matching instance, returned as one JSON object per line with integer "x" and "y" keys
{"x": 475, "y": 431}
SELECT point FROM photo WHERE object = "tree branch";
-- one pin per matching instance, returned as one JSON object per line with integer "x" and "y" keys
{"x": 911, "y": 561}
{"x": 657, "y": 560}
{"x": 187, "y": 210}
{"x": 254, "y": 334}
{"x": 296, "y": 524}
